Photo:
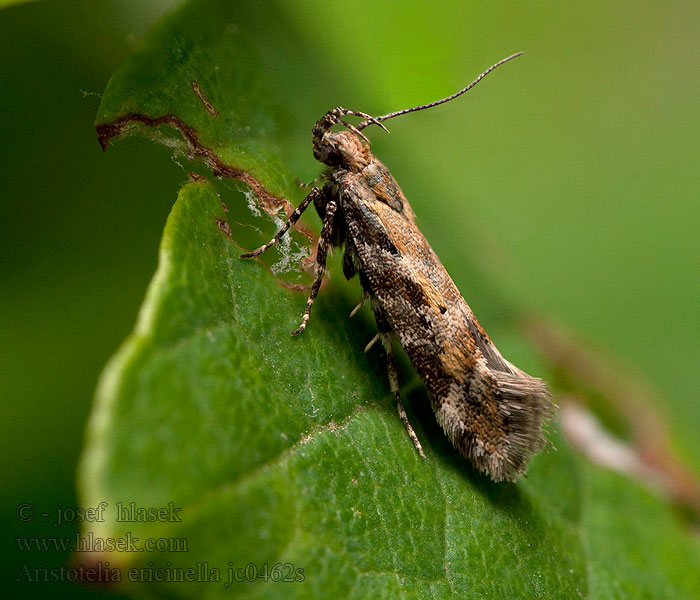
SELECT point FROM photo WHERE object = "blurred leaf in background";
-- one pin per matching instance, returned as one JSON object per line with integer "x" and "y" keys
{"x": 564, "y": 185}
{"x": 79, "y": 231}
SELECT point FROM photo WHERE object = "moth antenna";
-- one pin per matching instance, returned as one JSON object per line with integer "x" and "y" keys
{"x": 335, "y": 116}
{"x": 369, "y": 119}
{"x": 355, "y": 130}
{"x": 377, "y": 120}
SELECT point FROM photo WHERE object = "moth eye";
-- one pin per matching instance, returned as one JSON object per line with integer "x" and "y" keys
{"x": 328, "y": 153}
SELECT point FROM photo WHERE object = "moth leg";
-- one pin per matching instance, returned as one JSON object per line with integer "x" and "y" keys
{"x": 373, "y": 341}
{"x": 301, "y": 184}
{"x": 360, "y": 305}
{"x": 293, "y": 218}
{"x": 324, "y": 242}
{"x": 385, "y": 337}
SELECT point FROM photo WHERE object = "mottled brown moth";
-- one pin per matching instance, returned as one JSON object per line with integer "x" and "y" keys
{"x": 491, "y": 411}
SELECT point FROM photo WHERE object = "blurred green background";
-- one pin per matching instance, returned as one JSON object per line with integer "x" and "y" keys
{"x": 580, "y": 193}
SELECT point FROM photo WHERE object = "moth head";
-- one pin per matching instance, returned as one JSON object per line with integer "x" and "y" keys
{"x": 346, "y": 147}
{"x": 335, "y": 148}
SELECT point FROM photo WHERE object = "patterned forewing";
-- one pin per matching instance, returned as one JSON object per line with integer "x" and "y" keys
{"x": 463, "y": 371}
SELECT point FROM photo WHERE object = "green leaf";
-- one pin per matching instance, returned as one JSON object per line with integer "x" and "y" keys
{"x": 282, "y": 450}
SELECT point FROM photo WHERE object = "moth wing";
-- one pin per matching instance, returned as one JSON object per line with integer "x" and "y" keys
{"x": 490, "y": 410}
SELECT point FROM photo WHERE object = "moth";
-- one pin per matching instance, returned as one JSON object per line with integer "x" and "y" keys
{"x": 492, "y": 412}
